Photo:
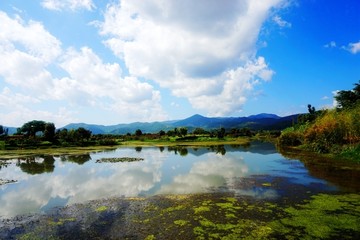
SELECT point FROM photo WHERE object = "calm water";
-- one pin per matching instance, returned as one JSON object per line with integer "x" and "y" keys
{"x": 258, "y": 171}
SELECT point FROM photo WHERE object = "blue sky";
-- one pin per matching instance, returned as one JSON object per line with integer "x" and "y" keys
{"x": 109, "y": 62}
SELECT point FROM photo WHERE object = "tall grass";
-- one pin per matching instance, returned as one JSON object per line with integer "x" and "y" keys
{"x": 330, "y": 132}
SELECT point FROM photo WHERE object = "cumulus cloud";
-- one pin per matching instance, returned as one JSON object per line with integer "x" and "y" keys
{"x": 98, "y": 82}
{"x": 354, "y": 48}
{"x": 203, "y": 50}
{"x": 73, "y": 5}
{"x": 26, "y": 49}
{"x": 28, "y": 52}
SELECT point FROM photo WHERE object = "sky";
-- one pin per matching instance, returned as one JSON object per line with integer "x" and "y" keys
{"x": 111, "y": 62}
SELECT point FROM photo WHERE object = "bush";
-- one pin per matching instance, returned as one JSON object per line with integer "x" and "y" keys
{"x": 290, "y": 138}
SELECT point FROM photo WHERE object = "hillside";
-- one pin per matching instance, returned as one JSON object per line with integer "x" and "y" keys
{"x": 261, "y": 121}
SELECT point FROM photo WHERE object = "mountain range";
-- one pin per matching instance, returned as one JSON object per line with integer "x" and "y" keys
{"x": 263, "y": 121}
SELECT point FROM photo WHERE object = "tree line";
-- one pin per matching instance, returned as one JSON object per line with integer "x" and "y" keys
{"x": 37, "y": 133}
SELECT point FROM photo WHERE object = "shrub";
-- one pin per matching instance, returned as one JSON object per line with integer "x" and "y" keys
{"x": 290, "y": 138}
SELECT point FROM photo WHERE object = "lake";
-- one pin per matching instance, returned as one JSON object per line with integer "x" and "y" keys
{"x": 258, "y": 171}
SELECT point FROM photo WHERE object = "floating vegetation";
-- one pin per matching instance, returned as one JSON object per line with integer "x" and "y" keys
{"x": 122, "y": 159}
{"x": 5, "y": 181}
{"x": 199, "y": 216}
{"x": 325, "y": 216}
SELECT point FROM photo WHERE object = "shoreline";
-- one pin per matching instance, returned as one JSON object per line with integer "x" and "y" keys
{"x": 19, "y": 153}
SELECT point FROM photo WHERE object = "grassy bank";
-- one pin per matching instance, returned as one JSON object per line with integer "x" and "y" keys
{"x": 18, "y": 153}
{"x": 335, "y": 132}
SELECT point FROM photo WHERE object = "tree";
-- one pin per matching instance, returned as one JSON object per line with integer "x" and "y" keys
{"x": 49, "y": 132}
{"x": 63, "y": 135}
{"x": 199, "y": 131}
{"x": 182, "y": 131}
{"x": 138, "y": 132}
{"x": 3, "y": 131}
{"x": 348, "y": 99}
{"x": 311, "y": 109}
{"x": 221, "y": 133}
{"x": 32, "y": 127}
{"x": 82, "y": 134}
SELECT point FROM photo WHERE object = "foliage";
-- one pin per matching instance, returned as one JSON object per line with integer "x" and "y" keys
{"x": 327, "y": 133}
{"x": 348, "y": 99}
{"x": 138, "y": 132}
{"x": 290, "y": 138}
{"x": 49, "y": 131}
{"x": 3, "y": 131}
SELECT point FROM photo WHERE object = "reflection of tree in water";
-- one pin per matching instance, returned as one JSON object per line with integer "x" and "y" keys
{"x": 183, "y": 152}
{"x": 244, "y": 146}
{"x": 178, "y": 149}
{"x": 31, "y": 166}
{"x": 161, "y": 149}
{"x": 79, "y": 159}
{"x": 3, "y": 164}
{"x": 218, "y": 149}
{"x": 344, "y": 174}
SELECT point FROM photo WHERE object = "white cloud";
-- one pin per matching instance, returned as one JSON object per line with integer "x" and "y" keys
{"x": 26, "y": 49}
{"x": 204, "y": 50}
{"x": 331, "y": 44}
{"x": 325, "y": 98}
{"x": 282, "y": 23}
{"x": 73, "y": 5}
{"x": 95, "y": 81}
{"x": 31, "y": 37}
{"x": 354, "y": 48}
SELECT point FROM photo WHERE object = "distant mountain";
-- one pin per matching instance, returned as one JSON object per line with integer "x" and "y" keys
{"x": 263, "y": 121}
{"x": 264, "y": 115}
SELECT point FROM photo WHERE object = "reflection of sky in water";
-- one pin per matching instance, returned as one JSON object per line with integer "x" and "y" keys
{"x": 160, "y": 172}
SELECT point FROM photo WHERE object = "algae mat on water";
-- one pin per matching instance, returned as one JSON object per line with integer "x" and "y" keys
{"x": 205, "y": 216}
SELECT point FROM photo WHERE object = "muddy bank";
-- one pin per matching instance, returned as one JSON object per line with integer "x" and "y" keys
{"x": 200, "y": 216}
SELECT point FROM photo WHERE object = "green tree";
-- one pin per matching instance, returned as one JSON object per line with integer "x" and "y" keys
{"x": 49, "y": 132}
{"x": 199, "y": 131}
{"x": 348, "y": 99}
{"x": 221, "y": 133}
{"x": 138, "y": 132}
{"x": 311, "y": 109}
{"x": 3, "y": 131}
{"x": 182, "y": 131}
{"x": 32, "y": 127}
{"x": 82, "y": 134}
{"x": 62, "y": 135}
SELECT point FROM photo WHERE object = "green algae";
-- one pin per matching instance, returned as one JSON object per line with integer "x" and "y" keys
{"x": 324, "y": 216}
{"x": 150, "y": 237}
{"x": 181, "y": 222}
{"x": 61, "y": 221}
{"x": 101, "y": 209}
{"x": 209, "y": 216}
{"x": 201, "y": 209}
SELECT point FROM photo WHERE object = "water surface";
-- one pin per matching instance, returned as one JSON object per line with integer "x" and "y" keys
{"x": 45, "y": 182}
